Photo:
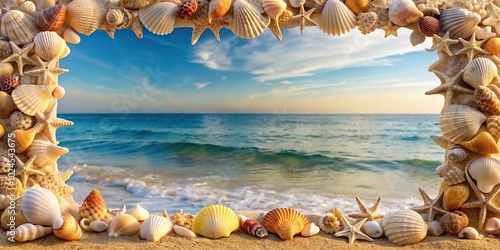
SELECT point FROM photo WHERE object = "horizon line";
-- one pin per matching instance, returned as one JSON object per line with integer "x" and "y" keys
{"x": 230, "y": 113}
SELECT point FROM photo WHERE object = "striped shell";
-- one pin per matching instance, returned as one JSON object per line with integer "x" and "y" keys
{"x": 123, "y": 224}
{"x": 155, "y": 227}
{"x": 85, "y": 16}
{"x": 404, "y": 227}
{"x": 29, "y": 232}
{"x": 460, "y": 22}
{"x": 487, "y": 100}
{"x": 367, "y": 22}
{"x": 51, "y": 19}
{"x": 252, "y": 226}
{"x": 285, "y": 222}
{"x": 28, "y": 7}
{"x": 480, "y": 72}
{"x": 159, "y": 18}
{"x": 329, "y": 223}
{"x": 493, "y": 126}
{"x": 247, "y": 21}
{"x": 404, "y": 12}
{"x": 486, "y": 172}
{"x": 460, "y": 123}
{"x": 19, "y": 27}
{"x": 215, "y": 221}
{"x": 336, "y": 18}
{"x": 67, "y": 227}
{"x": 40, "y": 206}
{"x": 49, "y": 45}
{"x": 453, "y": 222}
{"x": 31, "y": 99}
{"x": 45, "y": 151}
{"x": 428, "y": 26}
{"x": 93, "y": 207}
{"x": 187, "y": 9}
{"x": 483, "y": 143}
{"x": 454, "y": 176}
{"x": 274, "y": 8}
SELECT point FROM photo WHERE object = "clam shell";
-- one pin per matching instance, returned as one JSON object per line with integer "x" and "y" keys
{"x": 274, "y": 8}
{"x": 28, "y": 7}
{"x": 46, "y": 152}
{"x": 85, "y": 16}
{"x": 66, "y": 227}
{"x": 285, "y": 222}
{"x": 93, "y": 207}
{"x": 29, "y": 232}
{"x": 456, "y": 154}
{"x": 483, "y": 143}
{"x": 49, "y": 45}
{"x": 480, "y": 72}
{"x": 138, "y": 212}
{"x": 372, "y": 229}
{"x": 493, "y": 45}
{"x": 182, "y": 231}
{"x": 453, "y": 222}
{"x": 454, "y": 176}
{"x": 98, "y": 226}
{"x": 460, "y": 123}
{"x": 123, "y": 224}
{"x": 31, "y": 99}
{"x": 404, "y": 12}
{"x": 487, "y": 100}
{"x": 24, "y": 138}
{"x": 492, "y": 226}
{"x": 7, "y": 105}
{"x": 19, "y": 27}
{"x": 460, "y": 22}
{"x": 455, "y": 196}
{"x": 51, "y": 19}
{"x": 404, "y": 227}
{"x": 493, "y": 126}
{"x": 248, "y": 22}
{"x": 336, "y": 18}
{"x": 486, "y": 172}
{"x": 40, "y": 206}
{"x": 329, "y": 223}
{"x": 159, "y": 18}
{"x": 155, "y": 227}
{"x": 215, "y": 221}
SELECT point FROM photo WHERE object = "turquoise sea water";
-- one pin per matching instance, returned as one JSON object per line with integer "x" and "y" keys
{"x": 251, "y": 162}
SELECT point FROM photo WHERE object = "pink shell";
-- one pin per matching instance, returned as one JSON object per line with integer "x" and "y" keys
{"x": 51, "y": 19}
{"x": 187, "y": 9}
{"x": 428, "y": 26}
{"x": 9, "y": 82}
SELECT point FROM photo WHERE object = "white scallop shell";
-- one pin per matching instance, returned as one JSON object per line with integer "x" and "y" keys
{"x": 404, "y": 227}
{"x": 31, "y": 99}
{"x": 372, "y": 229}
{"x": 486, "y": 171}
{"x": 460, "y": 123}
{"x": 40, "y": 206}
{"x": 182, "y": 231}
{"x": 310, "y": 230}
{"x": 274, "y": 8}
{"x": 159, "y": 18}
{"x": 85, "y": 16}
{"x": 138, "y": 212}
{"x": 46, "y": 152}
{"x": 460, "y": 22}
{"x": 247, "y": 21}
{"x": 404, "y": 12}
{"x": 123, "y": 224}
{"x": 29, "y": 232}
{"x": 336, "y": 18}
{"x": 49, "y": 45}
{"x": 480, "y": 72}
{"x": 155, "y": 227}
{"x": 456, "y": 154}
{"x": 19, "y": 27}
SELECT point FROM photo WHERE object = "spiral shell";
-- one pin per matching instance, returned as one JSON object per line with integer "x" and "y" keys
{"x": 454, "y": 176}
{"x": 19, "y": 27}
{"x": 487, "y": 100}
{"x": 493, "y": 126}
{"x": 486, "y": 172}
{"x": 456, "y": 154}
{"x": 66, "y": 227}
{"x": 329, "y": 223}
{"x": 248, "y": 22}
{"x": 274, "y": 8}
{"x": 469, "y": 233}
{"x": 138, "y": 212}
{"x": 123, "y": 224}
{"x": 367, "y": 22}
{"x": 85, "y": 16}
{"x": 51, "y": 19}
{"x": 480, "y": 72}
{"x": 285, "y": 222}
{"x": 31, "y": 99}
{"x": 40, "y": 206}
{"x": 159, "y": 18}
{"x": 215, "y": 221}
{"x": 119, "y": 17}
{"x": 252, "y": 226}
{"x": 460, "y": 123}
{"x": 460, "y": 22}
{"x": 94, "y": 226}
{"x": 336, "y": 18}
{"x": 187, "y": 9}
{"x": 49, "y": 45}
{"x": 29, "y": 232}
{"x": 453, "y": 222}
{"x": 428, "y": 26}
{"x": 404, "y": 12}
{"x": 93, "y": 207}
{"x": 404, "y": 227}
{"x": 483, "y": 143}
{"x": 155, "y": 227}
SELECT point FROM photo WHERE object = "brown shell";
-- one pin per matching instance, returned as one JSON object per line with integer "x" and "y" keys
{"x": 187, "y": 9}
{"x": 93, "y": 207}
{"x": 285, "y": 222}
{"x": 9, "y": 82}
{"x": 453, "y": 222}
{"x": 51, "y": 19}
{"x": 487, "y": 100}
{"x": 428, "y": 26}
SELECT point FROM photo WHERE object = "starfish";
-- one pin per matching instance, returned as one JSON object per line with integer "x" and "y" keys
{"x": 443, "y": 59}
{"x": 304, "y": 16}
{"x": 429, "y": 8}
{"x": 46, "y": 72}
{"x": 486, "y": 203}
{"x": 472, "y": 47}
{"x": 367, "y": 213}
{"x": 20, "y": 56}
{"x": 353, "y": 232}
{"x": 431, "y": 206}
{"x": 48, "y": 123}
{"x": 493, "y": 18}
{"x": 275, "y": 28}
{"x": 448, "y": 87}
{"x": 390, "y": 29}
{"x": 442, "y": 44}
{"x": 25, "y": 169}
{"x": 109, "y": 29}
{"x": 54, "y": 181}
{"x": 201, "y": 26}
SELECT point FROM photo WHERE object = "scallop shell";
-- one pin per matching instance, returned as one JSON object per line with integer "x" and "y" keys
{"x": 93, "y": 207}
{"x": 70, "y": 36}
{"x": 285, "y": 222}
{"x": 7, "y": 105}
{"x": 358, "y": 6}
{"x": 66, "y": 227}
{"x": 493, "y": 126}
{"x": 483, "y": 143}
{"x": 486, "y": 171}
{"x": 123, "y": 224}
{"x": 51, "y": 19}
{"x": 404, "y": 227}
{"x": 40, "y": 206}
{"x": 329, "y": 223}
{"x": 248, "y": 22}
{"x": 493, "y": 226}
{"x": 49, "y": 45}
{"x": 460, "y": 22}
{"x": 480, "y": 72}
{"x": 155, "y": 227}
{"x": 336, "y": 18}
{"x": 456, "y": 154}
{"x": 460, "y": 123}
{"x": 372, "y": 229}
{"x": 29, "y": 232}
{"x": 119, "y": 17}
{"x": 138, "y": 212}
{"x": 429, "y": 26}
{"x": 310, "y": 230}
{"x": 469, "y": 233}
{"x": 455, "y": 196}
{"x": 23, "y": 138}
{"x": 182, "y": 231}
{"x": 46, "y": 152}
{"x": 367, "y": 22}
{"x": 159, "y": 18}
{"x": 85, "y": 16}
{"x": 19, "y": 27}
{"x": 453, "y": 222}
{"x": 455, "y": 176}
{"x": 217, "y": 9}
{"x": 274, "y": 8}
{"x": 404, "y": 12}
{"x": 487, "y": 100}
{"x": 252, "y": 226}
{"x": 31, "y": 99}
{"x": 135, "y": 4}
{"x": 493, "y": 45}
{"x": 215, "y": 221}
{"x": 435, "y": 228}
{"x": 187, "y": 9}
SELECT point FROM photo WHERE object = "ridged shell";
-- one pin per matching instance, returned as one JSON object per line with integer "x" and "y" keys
{"x": 460, "y": 123}
{"x": 367, "y": 22}
{"x": 492, "y": 226}
{"x": 453, "y": 222}
{"x": 66, "y": 227}
{"x": 19, "y": 27}
{"x": 336, "y": 18}
{"x": 31, "y": 99}
{"x": 29, "y": 232}
{"x": 187, "y": 9}
{"x": 135, "y": 4}
{"x": 480, "y": 72}
{"x": 404, "y": 12}
{"x": 138, "y": 212}
{"x": 456, "y": 154}
{"x": 119, "y": 17}
{"x": 493, "y": 45}
{"x": 372, "y": 229}
{"x": 455, "y": 176}
{"x": 483, "y": 143}
{"x": 329, "y": 223}
{"x": 46, "y": 152}
{"x": 493, "y": 126}
{"x": 93, "y": 207}
{"x": 455, "y": 196}
{"x": 24, "y": 139}
{"x": 247, "y": 21}
{"x": 358, "y": 6}
{"x": 51, "y": 19}
{"x": 252, "y": 227}
{"x": 285, "y": 222}
{"x": 159, "y": 18}
{"x": 487, "y": 100}
{"x": 428, "y": 26}
{"x": 460, "y": 22}
{"x": 155, "y": 227}
{"x": 49, "y": 45}
{"x": 404, "y": 227}
{"x": 486, "y": 172}
{"x": 40, "y": 206}
{"x": 274, "y": 8}
{"x": 182, "y": 231}
{"x": 215, "y": 221}
{"x": 85, "y": 16}
{"x": 123, "y": 224}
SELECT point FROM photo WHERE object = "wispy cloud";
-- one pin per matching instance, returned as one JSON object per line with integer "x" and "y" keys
{"x": 201, "y": 85}
{"x": 285, "y": 82}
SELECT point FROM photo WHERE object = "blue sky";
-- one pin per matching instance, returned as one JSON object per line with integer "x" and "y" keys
{"x": 310, "y": 73}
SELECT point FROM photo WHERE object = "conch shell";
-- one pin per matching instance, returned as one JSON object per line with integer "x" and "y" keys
{"x": 51, "y": 19}
{"x": 483, "y": 143}
{"x": 252, "y": 226}
{"x": 93, "y": 207}
{"x": 487, "y": 100}
{"x": 29, "y": 232}
{"x": 66, "y": 227}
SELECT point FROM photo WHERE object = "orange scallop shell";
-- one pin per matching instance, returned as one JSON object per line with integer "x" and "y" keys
{"x": 93, "y": 207}
{"x": 285, "y": 222}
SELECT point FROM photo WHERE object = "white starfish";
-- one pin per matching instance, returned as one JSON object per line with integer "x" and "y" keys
{"x": 353, "y": 232}
{"x": 46, "y": 72}
{"x": 304, "y": 17}
{"x": 493, "y": 18}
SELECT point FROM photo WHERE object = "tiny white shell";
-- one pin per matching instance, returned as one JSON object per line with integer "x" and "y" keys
{"x": 182, "y": 231}
{"x": 29, "y": 232}
{"x": 70, "y": 36}
{"x": 470, "y": 233}
{"x": 85, "y": 225}
{"x": 98, "y": 226}
{"x": 40, "y": 206}
{"x": 138, "y": 212}
{"x": 372, "y": 229}
{"x": 155, "y": 227}
{"x": 435, "y": 228}
{"x": 310, "y": 230}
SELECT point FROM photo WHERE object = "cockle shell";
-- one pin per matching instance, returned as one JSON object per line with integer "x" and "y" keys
{"x": 428, "y": 26}
{"x": 159, "y": 18}
{"x": 29, "y": 232}
{"x": 119, "y": 17}
{"x": 7, "y": 105}
{"x": 138, "y": 212}
{"x": 31, "y": 99}
{"x": 469, "y": 233}
{"x": 492, "y": 226}
{"x": 248, "y": 22}
{"x": 482, "y": 143}
{"x": 274, "y": 8}
{"x": 51, "y": 19}
{"x": 155, "y": 227}
{"x": 493, "y": 126}
{"x": 70, "y": 36}
{"x": 182, "y": 231}
{"x": 40, "y": 206}
{"x": 49, "y": 45}
{"x": 435, "y": 228}
{"x": 456, "y": 154}
{"x": 453, "y": 222}
{"x": 285, "y": 222}
{"x": 367, "y": 22}
{"x": 336, "y": 18}
{"x": 487, "y": 100}
{"x": 460, "y": 123}
{"x": 29, "y": 8}
{"x": 85, "y": 16}
{"x": 19, "y": 27}
{"x": 493, "y": 45}
{"x": 486, "y": 172}
{"x": 93, "y": 207}
{"x": 358, "y": 6}
{"x": 455, "y": 176}
{"x": 23, "y": 138}
{"x": 215, "y": 221}
{"x": 123, "y": 224}
{"x": 252, "y": 226}
{"x": 9, "y": 82}
{"x": 480, "y": 72}
{"x": 455, "y": 196}
{"x": 187, "y": 9}
{"x": 460, "y": 22}
{"x": 94, "y": 226}
{"x": 46, "y": 152}
{"x": 372, "y": 229}
{"x": 135, "y": 4}
{"x": 66, "y": 227}
{"x": 404, "y": 12}
{"x": 218, "y": 8}
{"x": 404, "y": 227}
{"x": 310, "y": 230}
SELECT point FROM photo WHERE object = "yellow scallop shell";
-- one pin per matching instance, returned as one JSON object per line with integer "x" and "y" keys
{"x": 215, "y": 221}
{"x": 285, "y": 222}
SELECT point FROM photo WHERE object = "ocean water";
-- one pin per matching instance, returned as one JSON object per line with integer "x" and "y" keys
{"x": 250, "y": 161}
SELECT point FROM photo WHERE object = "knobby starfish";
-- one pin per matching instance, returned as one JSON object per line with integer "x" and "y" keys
{"x": 55, "y": 182}
{"x": 493, "y": 18}
{"x": 390, "y": 29}
{"x": 431, "y": 206}
{"x": 448, "y": 87}
{"x": 275, "y": 28}
{"x": 472, "y": 47}
{"x": 367, "y": 213}
{"x": 46, "y": 72}
{"x": 353, "y": 232}
{"x": 303, "y": 17}
{"x": 47, "y": 123}
{"x": 442, "y": 44}
{"x": 25, "y": 169}
{"x": 20, "y": 56}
